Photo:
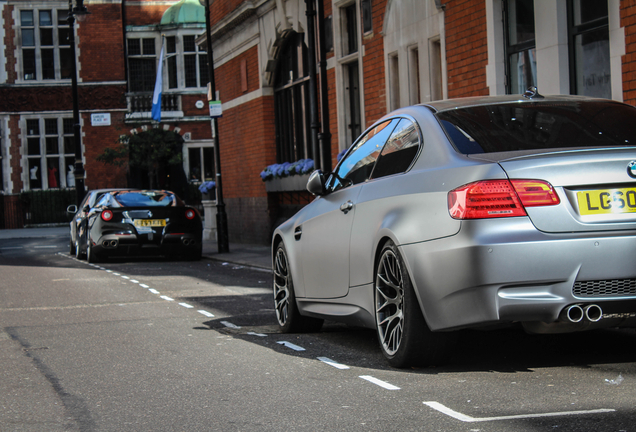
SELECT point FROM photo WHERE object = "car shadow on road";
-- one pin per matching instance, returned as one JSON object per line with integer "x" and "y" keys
{"x": 508, "y": 350}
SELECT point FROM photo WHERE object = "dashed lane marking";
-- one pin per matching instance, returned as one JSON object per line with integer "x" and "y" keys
{"x": 330, "y": 362}
{"x": 185, "y": 305}
{"x": 206, "y": 313}
{"x": 291, "y": 345}
{"x": 230, "y": 325}
{"x": 468, "y": 419}
{"x": 378, "y": 382}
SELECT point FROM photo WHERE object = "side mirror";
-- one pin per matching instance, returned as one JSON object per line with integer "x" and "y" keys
{"x": 72, "y": 209}
{"x": 316, "y": 183}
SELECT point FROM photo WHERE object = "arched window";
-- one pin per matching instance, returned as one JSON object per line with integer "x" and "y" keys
{"x": 291, "y": 101}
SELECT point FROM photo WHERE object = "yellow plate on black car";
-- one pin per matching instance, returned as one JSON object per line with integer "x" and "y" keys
{"x": 607, "y": 201}
{"x": 150, "y": 222}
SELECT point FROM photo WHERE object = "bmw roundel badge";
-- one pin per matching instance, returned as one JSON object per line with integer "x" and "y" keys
{"x": 631, "y": 169}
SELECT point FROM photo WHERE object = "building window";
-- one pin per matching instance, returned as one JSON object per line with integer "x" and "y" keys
{"x": 50, "y": 152}
{"x": 200, "y": 162}
{"x": 291, "y": 102}
{"x": 186, "y": 69}
{"x": 329, "y": 34}
{"x": 142, "y": 64}
{"x": 367, "y": 21}
{"x": 349, "y": 30}
{"x": 589, "y": 48}
{"x": 352, "y": 102}
{"x": 44, "y": 41}
{"x": 394, "y": 81}
{"x": 414, "y": 75}
{"x": 171, "y": 59}
{"x": 521, "y": 64}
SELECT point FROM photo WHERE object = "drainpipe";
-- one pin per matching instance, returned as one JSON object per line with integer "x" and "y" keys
{"x": 324, "y": 137}
{"x": 313, "y": 100}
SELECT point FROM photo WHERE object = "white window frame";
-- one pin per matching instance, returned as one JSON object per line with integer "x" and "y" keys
{"x": 36, "y": 7}
{"x": 342, "y": 60}
{"x": 43, "y": 156}
{"x": 198, "y": 144}
{"x": 180, "y": 54}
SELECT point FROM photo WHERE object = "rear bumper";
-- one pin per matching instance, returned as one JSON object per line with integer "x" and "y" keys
{"x": 138, "y": 244}
{"x": 504, "y": 271}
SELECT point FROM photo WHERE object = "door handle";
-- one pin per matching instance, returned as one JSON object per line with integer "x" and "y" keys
{"x": 345, "y": 207}
{"x": 298, "y": 232}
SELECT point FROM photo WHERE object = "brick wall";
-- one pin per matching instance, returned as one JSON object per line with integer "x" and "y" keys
{"x": 220, "y": 8}
{"x": 466, "y": 47}
{"x": 98, "y": 60}
{"x": 9, "y": 45}
{"x": 145, "y": 14}
{"x": 373, "y": 67}
{"x": 628, "y": 20}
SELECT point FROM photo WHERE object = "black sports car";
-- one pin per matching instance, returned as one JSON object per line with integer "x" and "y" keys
{"x": 128, "y": 222}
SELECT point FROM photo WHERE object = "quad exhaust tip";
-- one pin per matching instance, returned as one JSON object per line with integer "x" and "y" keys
{"x": 576, "y": 313}
{"x": 188, "y": 242}
{"x": 109, "y": 243}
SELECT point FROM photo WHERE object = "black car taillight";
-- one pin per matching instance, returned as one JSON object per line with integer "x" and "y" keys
{"x": 190, "y": 214}
{"x": 107, "y": 215}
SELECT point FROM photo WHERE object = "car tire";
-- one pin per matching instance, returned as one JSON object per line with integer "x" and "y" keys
{"x": 73, "y": 248}
{"x": 404, "y": 337}
{"x": 78, "y": 249}
{"x": 287, "y": 315}
{"x": 91, "y": 256}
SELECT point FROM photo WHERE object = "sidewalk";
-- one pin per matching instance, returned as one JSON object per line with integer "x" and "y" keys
{"x": 248, "y": 255}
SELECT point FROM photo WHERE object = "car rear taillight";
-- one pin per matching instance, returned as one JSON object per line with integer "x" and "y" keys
{"x": 499, "y": 198}
{"x": 189, "y": 214}
{"x": 107, "y": 215}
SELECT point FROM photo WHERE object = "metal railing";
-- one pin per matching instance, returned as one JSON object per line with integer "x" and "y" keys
{"x": 141, "y": 103}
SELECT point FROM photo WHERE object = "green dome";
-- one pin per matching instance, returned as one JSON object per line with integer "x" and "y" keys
{"x": 184, "y": 12}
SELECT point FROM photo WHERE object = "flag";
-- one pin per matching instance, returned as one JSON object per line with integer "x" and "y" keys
{"x": 156, "y": 97}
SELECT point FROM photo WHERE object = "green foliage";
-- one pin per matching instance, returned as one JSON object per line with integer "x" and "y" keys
{"x": 149, "y": 151}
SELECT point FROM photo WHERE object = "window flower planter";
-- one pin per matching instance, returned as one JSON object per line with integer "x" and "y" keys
{"x": 285, "y": 184}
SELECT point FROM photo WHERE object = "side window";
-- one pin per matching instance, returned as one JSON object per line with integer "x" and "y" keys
{"x": 357, "y": 166}
{"x": 399, "y": 152}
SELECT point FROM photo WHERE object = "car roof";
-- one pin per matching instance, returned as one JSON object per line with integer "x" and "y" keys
{"x": 451, "y": 104}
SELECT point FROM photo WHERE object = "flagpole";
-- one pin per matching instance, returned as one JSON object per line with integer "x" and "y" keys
{"x": 156, "y": 96}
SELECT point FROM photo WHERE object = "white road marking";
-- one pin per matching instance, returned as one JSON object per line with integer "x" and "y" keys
{"x": 185, "y": 305}
{"x": 230, "y": 325}
{"x": 206, "y": 313}
{"x": 330, "y": 362}
{"x": 134, "y": 281}
{"x": 116, "y": 274}
{"x": 256, "y": 334}
{"x": 143, "y": 285}
{"x": 468, "y": 419}
{"x": 154, "y": 291}
{"x": 166, "y": 298}
{"x": 291, "y": 345}
{"x": 45, "y": 247}
{"x": 381, "y": 383}
{"x": 7, "y": 248}
{"x": 125, "y": 277}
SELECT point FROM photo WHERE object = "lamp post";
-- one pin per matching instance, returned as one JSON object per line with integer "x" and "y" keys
{"x": 221, "y": 217}
{"x": 78, "y": 12}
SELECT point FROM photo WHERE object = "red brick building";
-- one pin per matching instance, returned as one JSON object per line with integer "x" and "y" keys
{"x": 374, "y": 55}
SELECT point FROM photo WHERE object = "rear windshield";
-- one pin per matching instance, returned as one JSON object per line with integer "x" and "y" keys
{"x": 139, "y": 199}
{"x": 539, "y": 125}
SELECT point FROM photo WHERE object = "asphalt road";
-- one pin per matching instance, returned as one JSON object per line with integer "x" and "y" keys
{"x": 156, "y": 345}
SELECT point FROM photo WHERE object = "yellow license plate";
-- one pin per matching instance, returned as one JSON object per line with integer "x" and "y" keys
{"x": 150, "y": 222}
{"x": 607, "y": 201}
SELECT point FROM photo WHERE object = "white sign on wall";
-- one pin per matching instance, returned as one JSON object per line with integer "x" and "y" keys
{"x": 100, "y": 119}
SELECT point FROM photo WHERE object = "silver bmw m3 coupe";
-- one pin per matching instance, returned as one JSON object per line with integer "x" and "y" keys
{"x": 469, "y": 213}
